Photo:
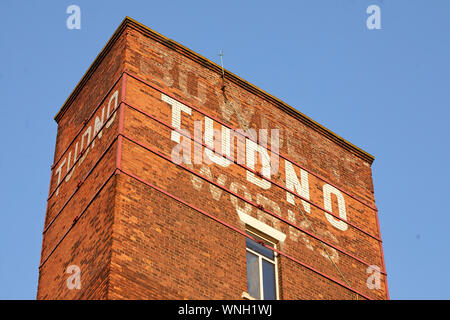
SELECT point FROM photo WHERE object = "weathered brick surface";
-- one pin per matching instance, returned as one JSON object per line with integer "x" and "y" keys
{"x": 87, "y": 245}
{"x": 174, "y": 252}
{"x": 146, "y": 243}
{"x": 81, "y": 185}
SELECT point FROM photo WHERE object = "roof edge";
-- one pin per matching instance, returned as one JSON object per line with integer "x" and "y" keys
{"x": 90, "y": 71}
{"x": 127, "y": 21}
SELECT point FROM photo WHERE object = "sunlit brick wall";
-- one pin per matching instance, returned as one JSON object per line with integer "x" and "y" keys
{"x": 171, "y": 227}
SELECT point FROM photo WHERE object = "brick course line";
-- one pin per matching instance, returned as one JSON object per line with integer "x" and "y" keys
{"x": 251, "y": 170}
{"x": 222, "y": 123}
{"x": 242, "y": 233}
{"x": 251, "y": 203}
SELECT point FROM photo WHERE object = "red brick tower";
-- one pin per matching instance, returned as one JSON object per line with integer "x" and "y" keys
{"x": 164, "y": 187}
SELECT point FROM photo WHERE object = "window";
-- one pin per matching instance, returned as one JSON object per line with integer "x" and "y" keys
{"x": 261, "y": 269}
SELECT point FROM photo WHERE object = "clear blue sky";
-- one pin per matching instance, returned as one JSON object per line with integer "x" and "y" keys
{"x": 387, "y": 91}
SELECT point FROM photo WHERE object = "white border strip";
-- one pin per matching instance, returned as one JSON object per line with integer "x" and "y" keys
{"x": 262, "y": 227}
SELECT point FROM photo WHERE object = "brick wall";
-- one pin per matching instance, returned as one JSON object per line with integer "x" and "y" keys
{"x": 164, "y": 230}
{"x": 80, "y": 207}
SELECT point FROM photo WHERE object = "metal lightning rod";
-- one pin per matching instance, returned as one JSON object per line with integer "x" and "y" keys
{"x": 221, "y": 62}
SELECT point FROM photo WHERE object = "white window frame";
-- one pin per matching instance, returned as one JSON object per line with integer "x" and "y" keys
{"x": 260, "y": 257}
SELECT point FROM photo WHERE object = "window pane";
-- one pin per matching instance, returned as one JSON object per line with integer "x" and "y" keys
{"x": 268, "y": 280}
{"x": 253, "y": 275}
{"x": 259, "y": 248}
